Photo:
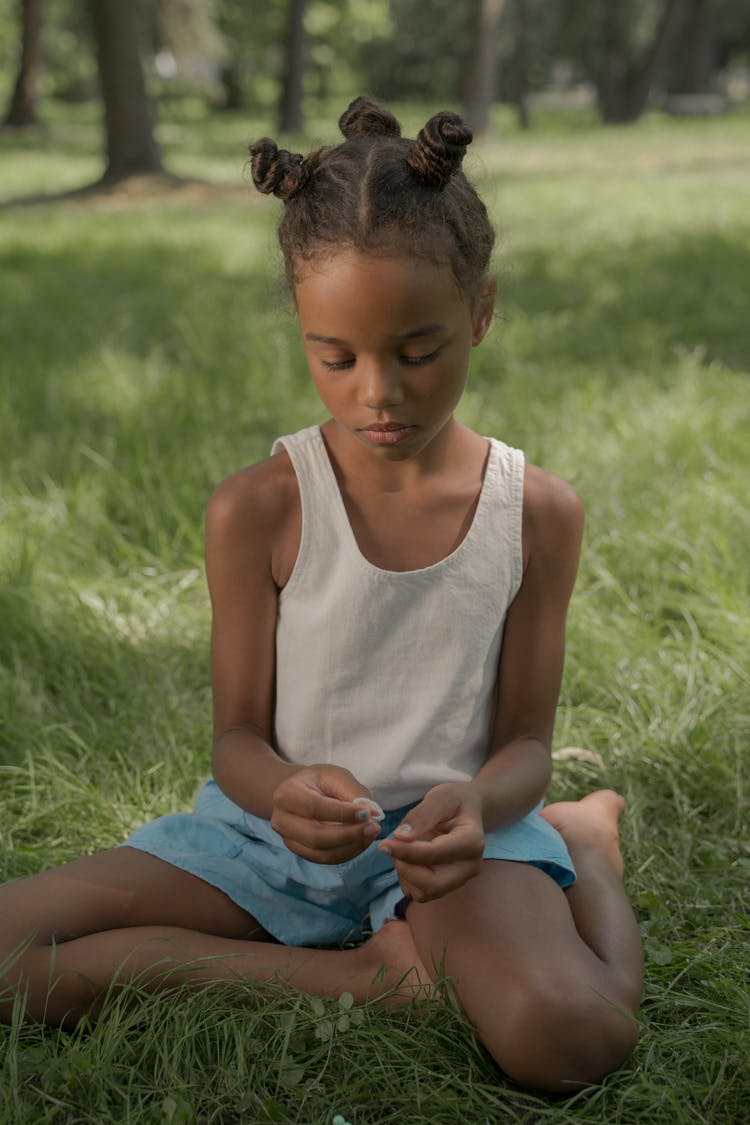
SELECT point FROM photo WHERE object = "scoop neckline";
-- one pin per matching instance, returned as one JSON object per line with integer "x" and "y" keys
{"x": 489, "y": 469}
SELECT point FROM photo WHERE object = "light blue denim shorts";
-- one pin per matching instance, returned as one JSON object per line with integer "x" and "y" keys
{"x": 305, "y": 903}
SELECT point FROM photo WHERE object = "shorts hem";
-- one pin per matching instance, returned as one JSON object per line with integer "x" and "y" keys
{"x": 290, "y": 939}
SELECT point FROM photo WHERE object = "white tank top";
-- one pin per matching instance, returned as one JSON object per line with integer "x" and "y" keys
{"x": 392, "y": 674}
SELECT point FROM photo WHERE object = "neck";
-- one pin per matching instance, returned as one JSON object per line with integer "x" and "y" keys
{"x": 386, "y": 470}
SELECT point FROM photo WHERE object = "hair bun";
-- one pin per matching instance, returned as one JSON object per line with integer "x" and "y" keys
{"x": 439, "y": 148}
{"x": 365, "y": 118}
{"x": 277, "y": 171}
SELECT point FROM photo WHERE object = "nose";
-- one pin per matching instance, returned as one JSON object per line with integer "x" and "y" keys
{"x": 380, "y": 385}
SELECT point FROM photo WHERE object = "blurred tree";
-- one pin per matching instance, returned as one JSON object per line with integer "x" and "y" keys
{"x": 519, "y": 68}
{"x": 130, "y": 141}
{"x": 231, "y": 23}
{"x": 69, "y": 70}
{"x": 424, "y": 54}
{"x": 482, "y": 90}
{"x": 694, "y": 62}
{"x": 627, "y": 71}
{"x": 235, "y": 50}
{"x": 732, "y": 29}
{"x": 292, "y": 81}
{"x": 185, "y": 45}
{"x": 22, "y": 111}
{"x": 251, "y": 36}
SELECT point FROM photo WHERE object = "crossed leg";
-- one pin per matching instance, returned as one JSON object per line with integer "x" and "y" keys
{"x": 550, "y": 979}
{"x": 68, "y": 934}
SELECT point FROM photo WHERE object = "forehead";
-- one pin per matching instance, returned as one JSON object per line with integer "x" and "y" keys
{"x": 397, "y": 293}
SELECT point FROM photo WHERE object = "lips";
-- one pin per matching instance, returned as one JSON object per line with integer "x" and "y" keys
{"x": 387, "y": 433}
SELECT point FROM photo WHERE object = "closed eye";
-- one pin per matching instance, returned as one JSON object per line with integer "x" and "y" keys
{"x": 341, "y": 365}
{"x": 417, "y": 360}
{"x": 409, "y": 360}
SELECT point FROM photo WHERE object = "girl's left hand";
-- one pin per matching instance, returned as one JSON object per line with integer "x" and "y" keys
{"x": 439, "y": 844}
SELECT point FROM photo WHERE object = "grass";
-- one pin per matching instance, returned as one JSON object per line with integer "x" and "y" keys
{"x": 146, "y": 353}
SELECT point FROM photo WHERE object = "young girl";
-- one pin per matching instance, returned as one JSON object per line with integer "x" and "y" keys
{"x": 389, "y": 594}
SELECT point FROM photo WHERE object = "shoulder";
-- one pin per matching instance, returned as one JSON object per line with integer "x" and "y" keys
{"x": 547, "y": 497}
{"x": 553, "y": 517}
{"x": 251, "y": 511}
{"x": 257, "y": 494}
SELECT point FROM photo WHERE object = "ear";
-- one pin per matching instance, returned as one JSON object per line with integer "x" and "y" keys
{"x": 483, "y": 310}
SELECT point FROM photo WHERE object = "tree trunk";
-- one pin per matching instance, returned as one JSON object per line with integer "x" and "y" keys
{"x": 521, "y": 64}
{"x": 290, "y": 106}
{"x": 22, "y": 110}
{"x": 695, "y": 58}
{"x": 614, "y": 62}
{"x": 625, "y": 84}
{"x": 131, "y": 145}
{"x": 483, "y": 80}
{"x": 231, "y": 85}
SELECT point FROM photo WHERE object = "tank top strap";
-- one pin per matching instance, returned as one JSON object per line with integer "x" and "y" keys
{"x": 325, "y": 525}
{"x": 495, "y": 530}
{"x": 498, "y": 520}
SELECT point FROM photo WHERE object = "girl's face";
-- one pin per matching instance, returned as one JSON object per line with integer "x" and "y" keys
{"x": 388, "y": 342}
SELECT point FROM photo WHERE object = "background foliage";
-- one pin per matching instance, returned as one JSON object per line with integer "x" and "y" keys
{"x": 395, "y": 49}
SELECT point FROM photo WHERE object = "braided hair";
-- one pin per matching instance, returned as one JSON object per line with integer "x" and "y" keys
{"x": 381, "y": 194}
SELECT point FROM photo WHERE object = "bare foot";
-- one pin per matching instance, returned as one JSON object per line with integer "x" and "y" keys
{"x": 590, "y": 823}
{"x": 397, "y": 972}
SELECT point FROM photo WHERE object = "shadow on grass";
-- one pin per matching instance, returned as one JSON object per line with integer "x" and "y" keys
{"x": 147, "y": 339}
{"x": 160, "y": 189}
{"x": 158, "y": 183}
{"x": 135, "y": 342}
{"x": 72, "y": 683}
{"x": 635, "y": 307}
{"x": 609, "y": 309}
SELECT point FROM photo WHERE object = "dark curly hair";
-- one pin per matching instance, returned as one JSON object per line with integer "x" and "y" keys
{"x": 379, "y": 193}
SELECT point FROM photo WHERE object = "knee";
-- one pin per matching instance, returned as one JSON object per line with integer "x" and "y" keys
{"x": 560, "y": 1041}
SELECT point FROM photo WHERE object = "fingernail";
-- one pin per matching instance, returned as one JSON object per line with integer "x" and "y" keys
{"x": 372, "y": 829}
{"x": 404, "y": 830}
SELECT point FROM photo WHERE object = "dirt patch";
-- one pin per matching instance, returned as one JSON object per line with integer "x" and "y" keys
{"x": 142, "y": 192}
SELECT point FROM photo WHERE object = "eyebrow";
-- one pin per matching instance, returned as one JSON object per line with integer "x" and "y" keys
{"x": 417, "y": 333}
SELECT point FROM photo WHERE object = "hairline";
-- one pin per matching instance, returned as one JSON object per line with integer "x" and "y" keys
{"x": 325, "y": 251}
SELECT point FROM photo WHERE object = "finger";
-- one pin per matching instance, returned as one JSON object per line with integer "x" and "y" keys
{"x": 423, "y": 884}
{"x": 438, "y": 806}
{"x": 462, "y": 843}
{"x": 303, "y": 801}
{"x": 322, "y": 835}
{"x": 335, "y": 781}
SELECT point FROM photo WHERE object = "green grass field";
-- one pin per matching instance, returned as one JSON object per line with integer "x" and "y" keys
{"x": 146, "y": 351}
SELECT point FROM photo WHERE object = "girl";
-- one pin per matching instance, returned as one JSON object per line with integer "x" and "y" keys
{"x": 389, "y": 593}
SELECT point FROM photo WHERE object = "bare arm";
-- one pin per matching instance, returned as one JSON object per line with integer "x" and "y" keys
{"x": 516, "y": 775}
{"x": 440, "y": 845}
{"x": 246, "y": 539}
{"x": 241, "y": 526}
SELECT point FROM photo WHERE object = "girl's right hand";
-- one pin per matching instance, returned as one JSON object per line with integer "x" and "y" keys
{"x": 314, "y": 815}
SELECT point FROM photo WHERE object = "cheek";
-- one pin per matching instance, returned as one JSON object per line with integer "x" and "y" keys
{"x": 454, "y": 372}
{"x": 320, "y": 384}
{"x": 331, "y": 387}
